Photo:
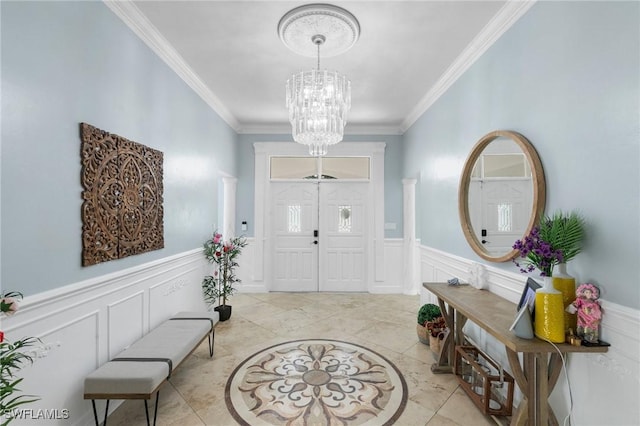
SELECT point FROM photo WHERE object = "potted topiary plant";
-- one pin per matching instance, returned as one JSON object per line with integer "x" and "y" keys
{"x": 218, "y": 287}
{"x": 426, "y": 314}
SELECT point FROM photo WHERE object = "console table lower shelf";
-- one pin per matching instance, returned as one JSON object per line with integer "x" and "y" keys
{"x": 536, "y": 371}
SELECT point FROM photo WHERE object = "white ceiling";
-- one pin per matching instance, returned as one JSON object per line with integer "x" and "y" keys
{"x": 408, "y": 53}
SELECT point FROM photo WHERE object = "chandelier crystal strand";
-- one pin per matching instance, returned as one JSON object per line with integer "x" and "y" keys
{"x": 318, "y": 102}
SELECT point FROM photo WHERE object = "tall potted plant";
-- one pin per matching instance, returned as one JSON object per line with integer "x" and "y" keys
{"x": 218, "y": 287}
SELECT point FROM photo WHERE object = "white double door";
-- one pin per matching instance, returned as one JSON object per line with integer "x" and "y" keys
{"x": 320, "y": 236}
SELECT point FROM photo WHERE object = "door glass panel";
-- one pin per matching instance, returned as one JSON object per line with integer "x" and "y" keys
{"x": 344, "y": 218}
{"x": 294, "y": 223}
{"x": 504, "y": 165}
{"x": 331, "y": 168}
{"x": 505, "y": 215}
{"x": 345, "y": 168}
{"x": 293, "y": 167}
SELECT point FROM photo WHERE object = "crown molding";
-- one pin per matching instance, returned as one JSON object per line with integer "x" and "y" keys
{"x": 127, "y": 11}
{"x": 264, "y": 129}
{"x": 350, "y": 129}
{"x": 499, "y": 24}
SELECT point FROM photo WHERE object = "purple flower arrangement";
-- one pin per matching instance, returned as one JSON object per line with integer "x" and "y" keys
{"x": 537, "y": 254}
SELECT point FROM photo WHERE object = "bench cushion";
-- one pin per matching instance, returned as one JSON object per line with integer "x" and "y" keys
{"x": 125, "y": 378}
{"x": 172, "y": 339}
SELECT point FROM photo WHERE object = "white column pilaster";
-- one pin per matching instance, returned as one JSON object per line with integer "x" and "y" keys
{"x": 229, "y": 185}
{"x": 410, "y": 280}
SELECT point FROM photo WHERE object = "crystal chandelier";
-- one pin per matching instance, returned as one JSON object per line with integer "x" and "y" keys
{"x": 318, "y": 100}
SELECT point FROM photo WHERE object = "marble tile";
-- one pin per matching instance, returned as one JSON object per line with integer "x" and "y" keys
{"x": 438, "y": 420}
{"x": 415, "y": 415}
{"x": 460, "y": 409}
{"x": 382, "y": 323}
{"x": 172, "y": 410}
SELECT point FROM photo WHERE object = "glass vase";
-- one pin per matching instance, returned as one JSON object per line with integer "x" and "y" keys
{"x": 549, "y": 313}
{"x": 565, "y": 284}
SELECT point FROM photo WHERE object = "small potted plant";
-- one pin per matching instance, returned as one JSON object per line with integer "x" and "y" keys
{"x": 218, "y": 287}
{"x": 426, "y": 315}
{"x": 437, "y": 331}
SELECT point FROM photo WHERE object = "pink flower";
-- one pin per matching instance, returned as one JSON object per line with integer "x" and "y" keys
{"x": 216, "y": 238}
{"x": 9, "y": 305}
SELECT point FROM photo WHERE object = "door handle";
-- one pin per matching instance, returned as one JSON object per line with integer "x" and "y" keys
{"x": 484, "y": 241}
{"x": 315, "y": 242}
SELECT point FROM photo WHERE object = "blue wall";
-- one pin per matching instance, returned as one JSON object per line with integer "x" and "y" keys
{"x": 392, "y": 179}
{"x": 69, "y": 62}
{"x": 566, "y": 76}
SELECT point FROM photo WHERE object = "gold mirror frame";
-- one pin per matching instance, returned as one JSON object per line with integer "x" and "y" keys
{"x": 539, "y": 190}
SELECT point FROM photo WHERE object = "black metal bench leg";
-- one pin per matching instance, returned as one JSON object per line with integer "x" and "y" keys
{"x": 95, "y": 412}
{"x": 155, "y": 411}
{"x": 211, "y": 338}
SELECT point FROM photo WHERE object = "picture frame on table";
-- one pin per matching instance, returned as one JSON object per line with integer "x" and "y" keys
{"x": 523, "y": 324}
{"x": 528, "y": 297}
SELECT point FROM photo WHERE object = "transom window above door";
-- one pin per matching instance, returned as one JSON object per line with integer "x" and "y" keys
{"x": 317, "y": 168}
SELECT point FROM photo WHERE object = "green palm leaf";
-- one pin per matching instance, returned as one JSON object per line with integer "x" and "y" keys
{"x": 564, "y": 231}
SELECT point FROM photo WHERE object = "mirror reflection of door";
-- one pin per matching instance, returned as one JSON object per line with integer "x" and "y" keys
{"x": 335, "y": 257}
{"x": 500, "y": 196}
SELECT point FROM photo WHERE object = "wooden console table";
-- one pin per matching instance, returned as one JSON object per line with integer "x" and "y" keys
{"x": 495, "y": 315}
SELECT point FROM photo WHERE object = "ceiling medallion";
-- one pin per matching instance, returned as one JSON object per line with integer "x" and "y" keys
{"x": 318, "y": 101}
{"x": 339, "y": 27}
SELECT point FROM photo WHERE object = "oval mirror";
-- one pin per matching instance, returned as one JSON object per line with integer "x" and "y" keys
{"x": 502, "y": 194}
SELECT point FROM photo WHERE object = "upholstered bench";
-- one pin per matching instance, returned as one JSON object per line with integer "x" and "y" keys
{"x": 140, "y": 370}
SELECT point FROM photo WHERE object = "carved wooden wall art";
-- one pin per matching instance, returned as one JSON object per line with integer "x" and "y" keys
{"x": 122, "y": 211}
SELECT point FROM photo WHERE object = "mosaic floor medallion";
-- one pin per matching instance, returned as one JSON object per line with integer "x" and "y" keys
{"x": 316, "y": 382}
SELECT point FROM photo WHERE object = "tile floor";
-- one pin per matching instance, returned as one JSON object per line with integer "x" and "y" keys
{"x": 383, "y": 323}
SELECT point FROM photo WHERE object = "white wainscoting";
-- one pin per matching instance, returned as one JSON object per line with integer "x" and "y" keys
{"x": 605, "y": 387}
{"x": 82, "y": 325}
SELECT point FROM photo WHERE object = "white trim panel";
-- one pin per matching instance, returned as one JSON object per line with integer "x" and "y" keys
{"x": 93, "y": 321}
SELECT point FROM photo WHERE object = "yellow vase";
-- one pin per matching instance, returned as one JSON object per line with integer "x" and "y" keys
{"x": 565, "y": 284}
{"x": 549, "y": 313}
